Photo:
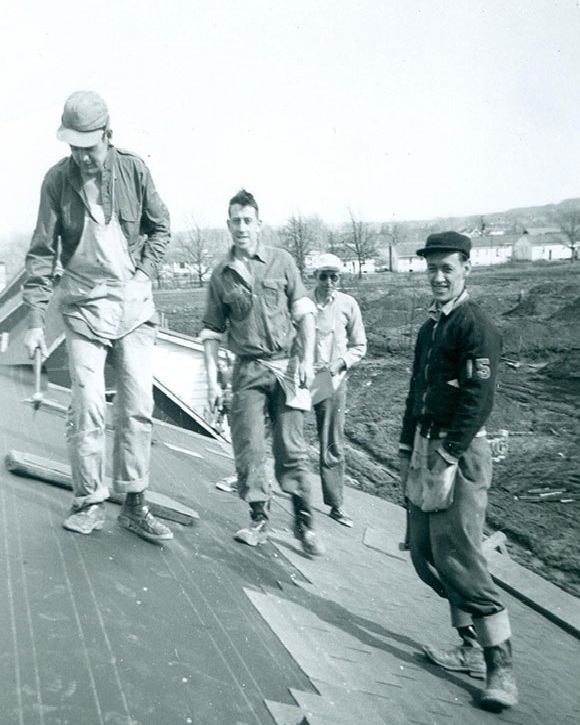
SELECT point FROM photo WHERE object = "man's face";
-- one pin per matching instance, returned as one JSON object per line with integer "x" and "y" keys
{"x": 91, "y": 160}
{"x": 245, "y": 228}
{"x": 327, "y": 280}
{"x": 447, "y": 272}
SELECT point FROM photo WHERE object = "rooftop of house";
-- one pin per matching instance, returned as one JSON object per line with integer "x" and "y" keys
{"x": 108, "y": 628}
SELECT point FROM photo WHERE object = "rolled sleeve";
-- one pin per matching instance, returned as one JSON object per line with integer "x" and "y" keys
{"x": 300, "y": 308}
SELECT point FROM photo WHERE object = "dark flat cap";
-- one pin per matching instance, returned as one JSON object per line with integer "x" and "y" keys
{"x": 446, "y": 242}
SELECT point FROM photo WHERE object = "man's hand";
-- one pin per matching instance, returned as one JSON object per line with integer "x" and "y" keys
{"x": 34, "y": 338}
{"x": 305, "y": 373}
{"x": 336, "y": 366}
{"x": 139, "y": 276}
{"x": 404, "y": 464}
{"x": 436, "y": 463}
{"x": 214, "y": 397}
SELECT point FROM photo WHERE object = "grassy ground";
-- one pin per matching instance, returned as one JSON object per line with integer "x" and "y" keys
{"x": 537, "y": 309}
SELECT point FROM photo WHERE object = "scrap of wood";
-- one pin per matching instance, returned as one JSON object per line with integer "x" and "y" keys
{"x": 59, "y": 474}
{"x": 497, "y": 540}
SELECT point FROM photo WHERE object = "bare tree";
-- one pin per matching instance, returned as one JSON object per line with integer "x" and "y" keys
{"x": 298, "y": 237}
{"x": 360, "y": 240}
{"x": 568, "y": 221}
{"x": 394, "y": 234}
{"x": 196, "y": 250}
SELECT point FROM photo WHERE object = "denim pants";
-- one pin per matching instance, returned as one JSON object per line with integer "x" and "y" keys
{"x": 446, "y": 549}
{"x": 259, "y": 411}
{"x": 132, "y": 359}
{"x": 330, "y": 425}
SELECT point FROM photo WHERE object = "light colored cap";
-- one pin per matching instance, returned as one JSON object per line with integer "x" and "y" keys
{"x": 328, "y": 261}
{"x": 84, "y": 118}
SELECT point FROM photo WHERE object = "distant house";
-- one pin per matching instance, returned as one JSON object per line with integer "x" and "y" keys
{"x": 405, "y": 259}
{"x": 493, "y": 249}
{"x": 548, "y": 246}
{"x": 351, "y": 266}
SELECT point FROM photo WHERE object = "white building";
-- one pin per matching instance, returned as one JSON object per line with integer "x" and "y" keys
{"x": 548, "y": 247}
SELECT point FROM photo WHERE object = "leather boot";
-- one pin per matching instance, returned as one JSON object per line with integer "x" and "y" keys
{"x": 136, "y": 517}
{"x": 257, "y": 532}
{"x": 500, "y": 688}
{"x": 303, "y": 529}
{"x": 467, "y": 657}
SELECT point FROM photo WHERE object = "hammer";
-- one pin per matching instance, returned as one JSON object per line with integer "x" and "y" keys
{"x": 37, "y": 365}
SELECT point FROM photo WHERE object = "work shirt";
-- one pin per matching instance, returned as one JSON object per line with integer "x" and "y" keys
{"x": 253, "y": 303}
{"x": 142, "y": 216}
{"x": 340, "y": 331}
{"x": 454, "y": 375}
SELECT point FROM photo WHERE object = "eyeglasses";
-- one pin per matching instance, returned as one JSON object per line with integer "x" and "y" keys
{"x": 333, "y": 276}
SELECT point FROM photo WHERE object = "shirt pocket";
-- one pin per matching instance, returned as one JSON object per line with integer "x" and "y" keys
{"x": 271, "y": 293}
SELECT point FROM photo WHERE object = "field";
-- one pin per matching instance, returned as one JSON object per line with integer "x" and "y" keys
{"x": 537, "y": 309}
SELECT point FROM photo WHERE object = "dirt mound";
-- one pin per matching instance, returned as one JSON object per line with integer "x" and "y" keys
{"x": 527, "y": 307}
{"x": 568, "y": 312}
{"x": 566, "y": 367}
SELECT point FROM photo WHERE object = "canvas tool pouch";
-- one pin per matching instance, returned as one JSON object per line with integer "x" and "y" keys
{"x": 429, "y": 491}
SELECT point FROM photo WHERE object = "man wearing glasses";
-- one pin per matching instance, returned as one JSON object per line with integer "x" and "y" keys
{"x": 340, "y": 343}
{"x": 101, "y": 217}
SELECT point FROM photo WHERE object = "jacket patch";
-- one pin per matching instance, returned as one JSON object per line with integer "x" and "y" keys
{"x": 482, "y": 368}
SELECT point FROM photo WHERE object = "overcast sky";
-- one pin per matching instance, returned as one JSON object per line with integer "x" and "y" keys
{"x": 398, "y": 109}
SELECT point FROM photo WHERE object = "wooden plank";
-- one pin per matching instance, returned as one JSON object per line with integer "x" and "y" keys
{"x": 535, "y": 591}
{"x": 59, "y": 474}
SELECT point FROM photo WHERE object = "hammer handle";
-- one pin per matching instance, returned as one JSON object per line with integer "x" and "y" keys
{"x": 37, "y": 370}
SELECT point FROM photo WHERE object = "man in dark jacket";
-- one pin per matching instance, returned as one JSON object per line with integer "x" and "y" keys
{"x": 102, "y": 219}
{"x": 446, "y": 468}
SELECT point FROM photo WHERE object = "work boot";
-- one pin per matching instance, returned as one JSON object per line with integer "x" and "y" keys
{"x": 136, "y": 517}
{"x": 459, "y": 659}
{"x": 303, "y": 530}
{"x": 85, "y": 519}
{"x": 339, "y": 515}
{"x": 500, "y": 688}
{"x": 467, "y": 657}
{"x": 257, "y": 532}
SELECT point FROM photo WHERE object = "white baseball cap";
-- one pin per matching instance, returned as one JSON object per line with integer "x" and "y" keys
{"x": 328, "y": 261}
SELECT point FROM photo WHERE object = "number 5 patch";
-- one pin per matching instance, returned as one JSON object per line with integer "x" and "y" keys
{"x": 482, "y": 368}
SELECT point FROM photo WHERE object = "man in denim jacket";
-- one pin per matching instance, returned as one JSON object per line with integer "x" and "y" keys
{"x": 102, "y": 219}
{"x": 256, "y": 301}
{"x": 446, "y": 468}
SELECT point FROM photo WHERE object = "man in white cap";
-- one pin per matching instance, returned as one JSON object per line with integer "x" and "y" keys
{"x": 340, "y": 343}
{"x": 101, "y": 216}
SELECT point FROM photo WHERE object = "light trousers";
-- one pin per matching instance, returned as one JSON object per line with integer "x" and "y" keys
{"x": 132, "y": 360}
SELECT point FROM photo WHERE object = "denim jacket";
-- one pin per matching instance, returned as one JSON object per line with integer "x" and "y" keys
{"x": 143, "y": 217}
{"x": 255, "y": 304}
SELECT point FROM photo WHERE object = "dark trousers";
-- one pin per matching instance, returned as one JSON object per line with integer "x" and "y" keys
{"x": 259, "y": 408}
{"x": 330, "y": 425}
{"x": 446, "y": 549}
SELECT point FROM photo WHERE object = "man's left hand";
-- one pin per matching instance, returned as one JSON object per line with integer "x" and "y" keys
{"x": 336, "y": 366}
{"x": 140, "y": 276}
{"x": 305, "y": 374}
{"x": 436, "y": 463}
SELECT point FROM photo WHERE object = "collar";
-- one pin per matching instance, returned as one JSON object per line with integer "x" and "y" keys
{"x": 74, "y": 173}
{"x": 436, "y": 310}
{"x": 261, "y": 254}
{"x": 325, "y": 303}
